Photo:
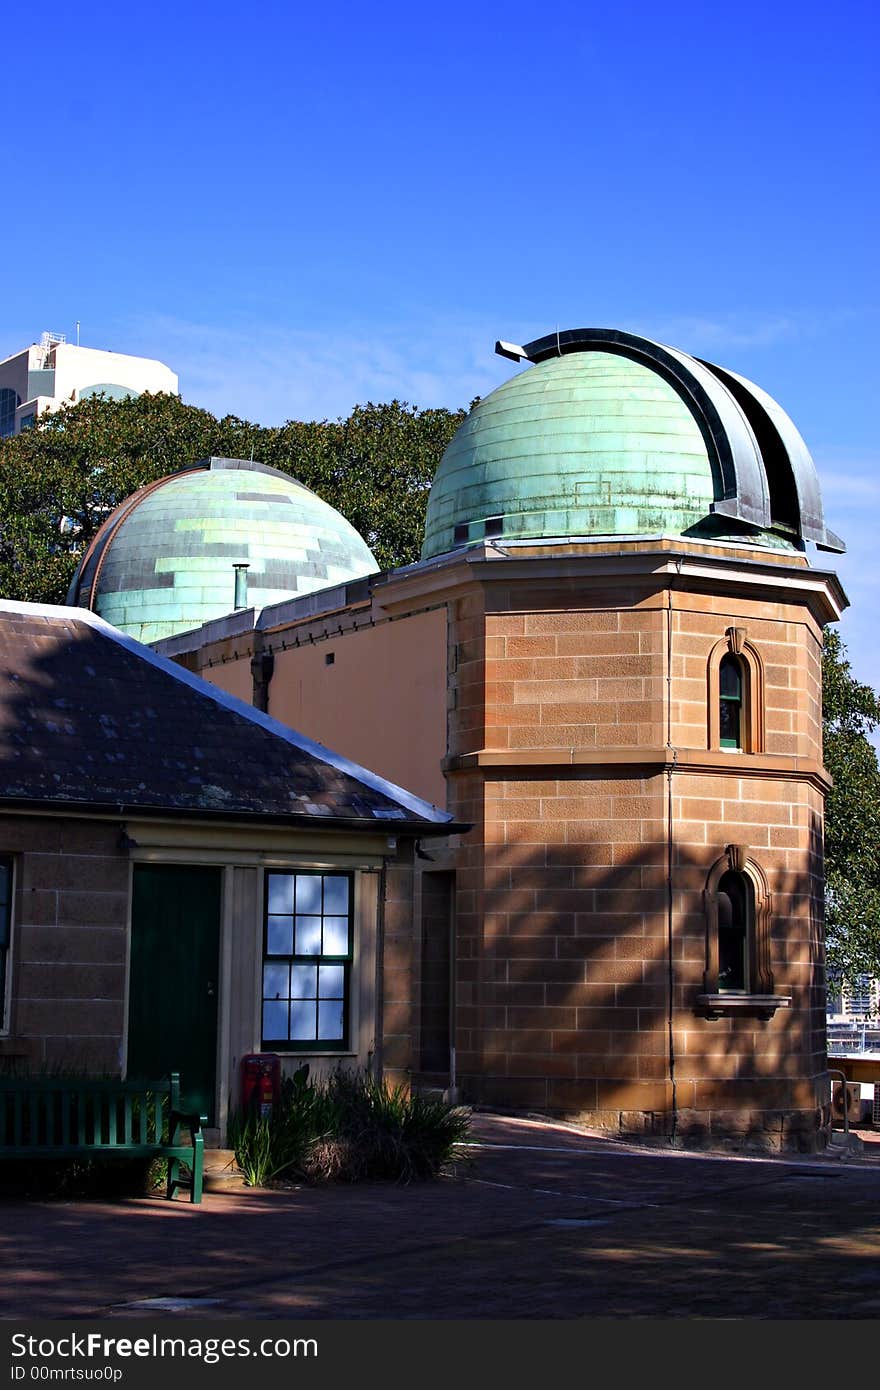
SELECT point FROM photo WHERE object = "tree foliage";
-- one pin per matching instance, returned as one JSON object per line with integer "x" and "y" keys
{"x": 60, "y": 480}
{"x": 851, "y": 713}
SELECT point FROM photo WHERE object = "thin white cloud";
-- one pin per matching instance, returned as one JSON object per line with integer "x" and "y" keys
{"x": 271, "y": 375}
{"x": 843, "y": 488}
{"x": 700, "y": 334}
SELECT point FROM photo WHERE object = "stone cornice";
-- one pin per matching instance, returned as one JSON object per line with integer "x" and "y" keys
{"x": 652, "y": 760}
{"x": 660, "y": 564}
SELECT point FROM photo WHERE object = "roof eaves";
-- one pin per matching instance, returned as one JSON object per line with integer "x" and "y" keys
{"x": 125, "y": 809}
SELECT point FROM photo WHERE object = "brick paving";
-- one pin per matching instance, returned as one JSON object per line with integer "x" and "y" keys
{"x": 543, "y": 1221}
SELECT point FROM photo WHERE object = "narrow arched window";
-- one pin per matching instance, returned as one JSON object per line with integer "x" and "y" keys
{"x": 735, "y": 695}
{"x": 735, "y": 922}
{"x": 738, "y": 978}
{"x": 730, "y": 684}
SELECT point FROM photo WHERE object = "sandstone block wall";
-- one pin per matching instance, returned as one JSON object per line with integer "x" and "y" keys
{"x": 581, "y": 922}
{"x": 70, "y": 916}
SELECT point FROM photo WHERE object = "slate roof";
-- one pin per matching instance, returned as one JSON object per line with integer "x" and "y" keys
{"x": 90, "y": 718}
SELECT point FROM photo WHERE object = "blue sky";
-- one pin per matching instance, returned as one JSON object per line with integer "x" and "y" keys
{"x": 301, "y": 208}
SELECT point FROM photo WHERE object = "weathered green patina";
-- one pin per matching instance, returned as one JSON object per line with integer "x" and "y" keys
{"x": 163, "y": 563}
{"x": 583, "y": 444}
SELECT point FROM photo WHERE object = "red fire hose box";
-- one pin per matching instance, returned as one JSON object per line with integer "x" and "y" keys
{"x": 260, "y": 1081}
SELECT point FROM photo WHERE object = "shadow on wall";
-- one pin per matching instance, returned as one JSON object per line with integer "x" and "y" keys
{"x": 575, "y": 996}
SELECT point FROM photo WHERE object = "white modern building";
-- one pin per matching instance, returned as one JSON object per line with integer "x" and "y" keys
{"x": 853, "y": 1017}
{"x": 53, "y": 373}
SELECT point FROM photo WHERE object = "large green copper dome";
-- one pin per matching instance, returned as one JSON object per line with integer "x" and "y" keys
{"x": 163, "y": 561}
{"x": 608, "y": 434}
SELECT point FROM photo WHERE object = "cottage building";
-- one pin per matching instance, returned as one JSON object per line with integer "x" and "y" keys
{"x": 183, "y": 881}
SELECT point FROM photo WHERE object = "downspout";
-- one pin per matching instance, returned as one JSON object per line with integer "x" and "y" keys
{"x": 452, "y": 1093}
{"x": 669, "y": 863}
{"x": 262, "y": 670}
{"x": 376, "y": 1066}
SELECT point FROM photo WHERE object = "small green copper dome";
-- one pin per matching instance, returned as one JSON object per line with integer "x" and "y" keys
{"x": 608, "y": 434}
{"x": 163, "y": 562}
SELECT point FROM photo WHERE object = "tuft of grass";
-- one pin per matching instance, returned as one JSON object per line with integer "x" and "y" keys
{"x": 385, "y": 1132}
{"x": 348, "y": 1128}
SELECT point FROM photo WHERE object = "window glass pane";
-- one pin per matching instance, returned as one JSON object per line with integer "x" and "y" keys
{"x": 281, "y": 893}
{"x": 303, "y": 981}
{"x": 729, "y": 724}
{"x": 731, "y": 959}
{"x": 733, "y": 927}
{"x": 279, "y": 936}
{"x": 330, "y": 1027}
{"x": 9, "y": 403}
{"x": 336, "y": 895}
{"x": 308, "y": 892}
{"x": 308, "y": 936}
{"x": 306, "y": 964}
{"x": 302, "y": 1020}
{"x": 276, "y": 981}
{"x": 275, "y": 1020}
{"x": 335, "y": 936}
{"x": 731, "y": 678}
{"x": 332, "y": 981}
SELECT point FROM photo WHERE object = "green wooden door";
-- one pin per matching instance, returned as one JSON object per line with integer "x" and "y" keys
{"x": 172, "y": 1000}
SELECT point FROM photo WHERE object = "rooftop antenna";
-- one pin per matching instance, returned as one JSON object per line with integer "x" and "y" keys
{"x": 77, "y": 332}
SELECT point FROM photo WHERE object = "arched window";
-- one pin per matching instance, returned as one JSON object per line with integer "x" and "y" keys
{"x": 735, "y": 694}
{"x": 730, "y": 707}
{"x": 736, "y": 913}
{"x": 738, "y": 975}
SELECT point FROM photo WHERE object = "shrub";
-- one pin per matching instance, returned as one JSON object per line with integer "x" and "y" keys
{"x": 348, "y": 1127}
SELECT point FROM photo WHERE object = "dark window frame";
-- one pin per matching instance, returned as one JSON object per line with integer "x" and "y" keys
{"x": 731, "y": 704}
{"x": 7, "y": 872}
{"x": 294, "y": 958}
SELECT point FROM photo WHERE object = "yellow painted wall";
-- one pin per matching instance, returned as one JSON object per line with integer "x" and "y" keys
{"x": 232, "y": 676}
{"x": 382, "y": 702}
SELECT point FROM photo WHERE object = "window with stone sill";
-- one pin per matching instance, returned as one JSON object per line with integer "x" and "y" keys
{"x": 738, "y": 906}
{"x": 735, "y": 694}
{"x": 307, "y": 955}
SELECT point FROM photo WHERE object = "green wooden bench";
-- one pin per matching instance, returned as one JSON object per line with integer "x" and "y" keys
{"x": 64, "y": 1117}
